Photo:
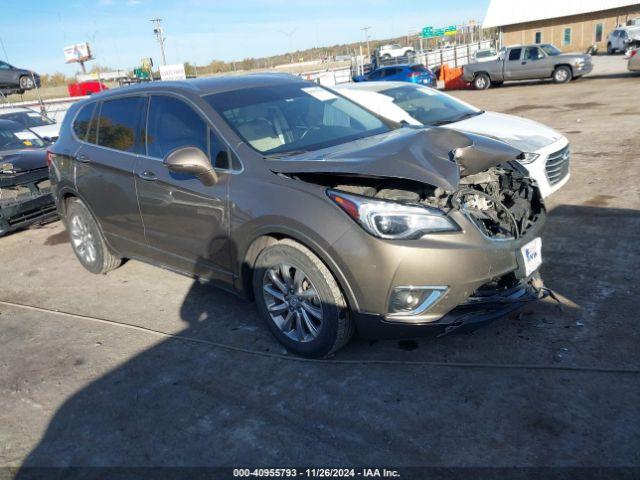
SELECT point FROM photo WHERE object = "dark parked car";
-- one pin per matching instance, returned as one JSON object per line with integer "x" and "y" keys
{"x": 332, "y": 218}
{"x": 19, "y": 79}
{"x": 401, "y": 73}
{"x": 25, "y": 196}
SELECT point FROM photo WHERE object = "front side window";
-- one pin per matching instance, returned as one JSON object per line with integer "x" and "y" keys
{"x": 429, "y": 107}
{"x": 171, "y": 124}
{"x": 27, "y": 118}
{"x": 293, "y": 117}
{"x": 82, "y": 121}
{"x": 18, "y": 138}
{"x": 118, "y": 123}
{"x": 566, "y": 37}
{"x": 532, "y": 53}
{"x": 598, "y": 33}
{"x": 514, "y": 54}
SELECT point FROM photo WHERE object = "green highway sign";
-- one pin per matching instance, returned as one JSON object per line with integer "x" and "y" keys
{"x": 430, "y": 32}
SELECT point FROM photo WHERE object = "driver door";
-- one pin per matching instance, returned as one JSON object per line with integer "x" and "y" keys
{"x": 186, "y": 223}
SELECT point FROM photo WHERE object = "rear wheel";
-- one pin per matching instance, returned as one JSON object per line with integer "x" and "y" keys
{"x": 562, "y": 74}
{"x": 300, "y": 300}
{"x": 87, "y": 241}
{"x": 26, "y": 82}
{"x": 481, "y": 81}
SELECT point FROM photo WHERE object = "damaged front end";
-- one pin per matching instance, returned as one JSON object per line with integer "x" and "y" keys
{"x": 465, "y": 196}
{"x": 25, "y": 198}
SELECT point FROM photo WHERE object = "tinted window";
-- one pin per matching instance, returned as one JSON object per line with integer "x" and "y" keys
{"x": 119, "y": 122}
{"x": 171, "y": 124}
{"x": 294, "y": 116}
{"x": 418, "y": 68}
{"x": 82, "y": 121}
{"x": 514, "y": 54}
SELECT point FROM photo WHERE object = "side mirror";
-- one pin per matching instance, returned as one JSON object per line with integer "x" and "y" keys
{"x": 192, "y": 160}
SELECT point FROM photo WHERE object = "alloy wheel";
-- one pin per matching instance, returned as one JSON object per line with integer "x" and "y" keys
{"x": 82, "y": 239}
{"x": 293, "y": 302}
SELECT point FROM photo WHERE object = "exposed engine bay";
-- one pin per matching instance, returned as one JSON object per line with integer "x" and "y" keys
{"x": 501, "y": 201}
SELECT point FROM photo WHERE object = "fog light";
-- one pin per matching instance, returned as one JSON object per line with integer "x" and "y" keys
{"x": 414, "y": 300}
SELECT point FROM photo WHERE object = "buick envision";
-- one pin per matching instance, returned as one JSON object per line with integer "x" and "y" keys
{"x": 332, "y": 218}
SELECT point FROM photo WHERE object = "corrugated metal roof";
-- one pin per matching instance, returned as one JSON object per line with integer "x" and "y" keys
{"x": 509, "y": 12}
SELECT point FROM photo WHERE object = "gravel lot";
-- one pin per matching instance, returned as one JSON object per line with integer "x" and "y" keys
{"x": 149, "y": 368}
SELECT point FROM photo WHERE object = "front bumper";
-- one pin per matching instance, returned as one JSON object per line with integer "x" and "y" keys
{"x": 34, "y": 203}
{"x": 582, "y": 69}
{"x": 462, "y": 261}
{"x": 476, "y": 311}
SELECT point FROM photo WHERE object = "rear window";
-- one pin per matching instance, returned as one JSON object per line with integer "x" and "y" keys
{"x": 82, "y": 121}
{"x": 514, "y": 54}
{"x": 418, "y": 68}
{"x": 118, "y": 124}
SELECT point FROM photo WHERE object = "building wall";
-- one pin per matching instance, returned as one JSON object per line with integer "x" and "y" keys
{"x": 583, "y": 29}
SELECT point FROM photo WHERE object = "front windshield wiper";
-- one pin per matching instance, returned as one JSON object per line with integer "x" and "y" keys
{"x": 290, "y": 153}
{"x": 457, "y": 119}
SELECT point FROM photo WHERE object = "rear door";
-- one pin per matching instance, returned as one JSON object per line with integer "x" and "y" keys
{"x": 104, "y": 171}
{"x": 186, "y": 223}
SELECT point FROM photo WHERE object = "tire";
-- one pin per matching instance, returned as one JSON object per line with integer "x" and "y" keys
{"x": 26, "y": 82}
{"x": 87, "y": 241}
{"x": 288, "y": 319}
{"x": 562, "y": 74}
{"x": 386, "y": 56}
{"x": 481, "y": 81}
{"x": 610, "y": 49}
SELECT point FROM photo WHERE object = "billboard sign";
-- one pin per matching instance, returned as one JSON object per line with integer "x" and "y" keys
{"x": 172, "y": 72}
{"x": 80, "y": 52}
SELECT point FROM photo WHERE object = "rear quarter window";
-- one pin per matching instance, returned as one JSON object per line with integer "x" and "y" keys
{"x": 82, "y": 121}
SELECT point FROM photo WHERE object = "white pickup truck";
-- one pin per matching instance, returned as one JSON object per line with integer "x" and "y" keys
{"x": 394, "y": 51}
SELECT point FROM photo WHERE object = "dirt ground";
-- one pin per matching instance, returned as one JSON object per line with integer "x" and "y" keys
{"x": 147, "y": 367}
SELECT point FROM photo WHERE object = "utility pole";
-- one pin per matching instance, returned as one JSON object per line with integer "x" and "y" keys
{"x": 159, "y": 32}
{"x": 366, "y": 38}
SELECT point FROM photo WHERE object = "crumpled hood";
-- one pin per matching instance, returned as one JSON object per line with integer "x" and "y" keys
{"x": 23, "y": 160}
{"x": 436, "y": 156}
{"x": 520, "y": 133}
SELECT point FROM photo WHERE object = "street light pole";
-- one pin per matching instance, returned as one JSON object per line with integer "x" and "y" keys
{"x": 366, "y": 38}
{"x": 159, "y": 32}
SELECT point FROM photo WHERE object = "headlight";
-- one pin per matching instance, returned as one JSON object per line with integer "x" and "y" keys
{"x": 392, "y": 220}
{"x": 528, "y": 157}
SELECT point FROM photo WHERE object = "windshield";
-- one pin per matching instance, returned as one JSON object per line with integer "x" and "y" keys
{"x": 428, "y": 106}
{"x": 18, "y": 138}
{"x": 291, "y": 118}
{"x": 28, "y": 119}
{"x": 550, "y": 50}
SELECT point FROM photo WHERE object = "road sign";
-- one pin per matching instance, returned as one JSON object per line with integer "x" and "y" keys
{"x": 450, "y": 30}
{"x": 427, "y": 32}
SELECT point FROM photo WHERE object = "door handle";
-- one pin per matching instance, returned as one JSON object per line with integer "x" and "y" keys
{"x": 83, "y": 158}
{"x": 147, "y": 175}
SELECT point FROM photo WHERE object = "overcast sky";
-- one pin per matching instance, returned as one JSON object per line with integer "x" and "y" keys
{"x": 35, "y": 32}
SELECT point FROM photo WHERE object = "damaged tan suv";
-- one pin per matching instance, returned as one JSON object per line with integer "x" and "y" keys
{"x": 331, "y": 217}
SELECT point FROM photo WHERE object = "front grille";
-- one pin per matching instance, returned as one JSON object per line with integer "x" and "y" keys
{"x": 557, "y": 166}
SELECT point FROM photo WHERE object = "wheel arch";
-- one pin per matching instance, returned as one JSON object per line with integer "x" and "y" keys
{"x": 270, "y": 235}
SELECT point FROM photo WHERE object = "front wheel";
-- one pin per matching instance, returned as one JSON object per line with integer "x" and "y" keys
{"x": 481, "y": 81}
{"x": 26, "y": 82}
{"x": 562, "y": 74}
{"x": 87, "y": 241}
{"x": 610, "y": 49}
{"x": 300, "y": 300}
